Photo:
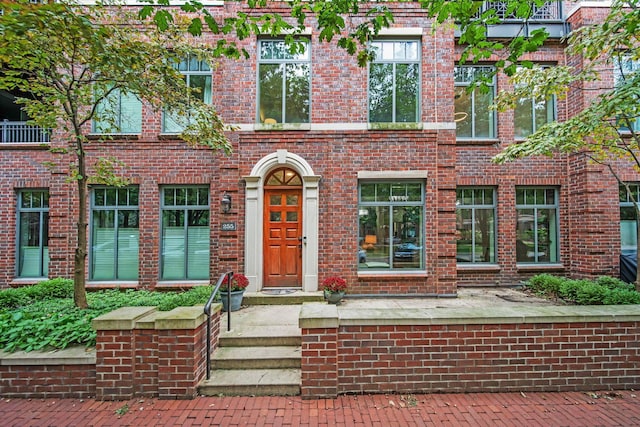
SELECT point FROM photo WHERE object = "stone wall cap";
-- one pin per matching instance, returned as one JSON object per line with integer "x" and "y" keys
{"x": 76, "y": 355}
{"x": 181, "y": 318}
{"x": 315, "y": 315}
{"x": 486, "y": 315}
{"x": 123, "y": 318}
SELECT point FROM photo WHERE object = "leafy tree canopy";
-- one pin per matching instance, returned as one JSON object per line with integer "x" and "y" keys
{"x": 604, "y": 130}
{"x": 335, "y": 20}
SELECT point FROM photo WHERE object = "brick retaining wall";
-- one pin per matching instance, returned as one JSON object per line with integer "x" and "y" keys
{"x": 139, "y": 352}
{"x": 469, "y": 350}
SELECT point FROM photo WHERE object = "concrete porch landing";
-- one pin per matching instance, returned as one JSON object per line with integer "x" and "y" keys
{"x": 261, "y": 353}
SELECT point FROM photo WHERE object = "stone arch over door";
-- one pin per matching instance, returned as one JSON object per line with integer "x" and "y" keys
{"x": 254, "y": 206}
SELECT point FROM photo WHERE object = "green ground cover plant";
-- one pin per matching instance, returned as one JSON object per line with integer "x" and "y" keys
{"x": 44, "y": 316}
{"x": 602, "y": 291}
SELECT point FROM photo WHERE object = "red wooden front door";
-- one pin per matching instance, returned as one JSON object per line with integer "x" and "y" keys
{"x": 283, "y": 237}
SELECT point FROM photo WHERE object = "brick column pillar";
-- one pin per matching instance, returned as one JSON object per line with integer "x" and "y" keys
{"x": 319, "y": 324}
{"x": 182, "y": 346}
{"x": 115, "y": 352}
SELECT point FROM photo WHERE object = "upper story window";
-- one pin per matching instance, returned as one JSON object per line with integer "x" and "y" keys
{"x": 391, "y": 226}
{"x": 119, "y": 113}
{"x": 624, "y": 69}
{"x": 197, "y": 74}
{"x": 537, "y": 225}
{"x": 476, "y": 225}
{"x": 284, "y": 83}
{"x": 114, "y": 234}
{"x": 628, "y": 230}
{"x": 33, "y": 233}
{"x": 394, "y": 82}
{"x": 530, "y": 114}
{"x": 473, "y": 113}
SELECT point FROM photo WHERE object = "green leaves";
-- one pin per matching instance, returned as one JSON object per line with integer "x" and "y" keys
{"x": 43, "y": 316}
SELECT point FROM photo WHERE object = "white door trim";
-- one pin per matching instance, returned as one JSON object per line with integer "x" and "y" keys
{"x": 254, "y": 199}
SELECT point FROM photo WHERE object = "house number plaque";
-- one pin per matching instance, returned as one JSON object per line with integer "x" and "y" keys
{"x": 229, "y": 226}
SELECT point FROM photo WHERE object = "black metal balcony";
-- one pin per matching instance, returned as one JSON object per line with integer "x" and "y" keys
{"x": 549, "y": 16}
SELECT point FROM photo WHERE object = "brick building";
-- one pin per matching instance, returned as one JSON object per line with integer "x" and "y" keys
{"x": 380, "y": 174}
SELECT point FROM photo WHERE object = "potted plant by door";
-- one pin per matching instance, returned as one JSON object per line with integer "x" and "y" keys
{"x": 334, "y": 288}
{"x": 239, "y": 283}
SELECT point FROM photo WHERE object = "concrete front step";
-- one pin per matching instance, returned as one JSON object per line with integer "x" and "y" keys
{"x": 261, "y": 336}
{"x": 272, "y": 357}
{"x": 281, "y": 297}
{"x": 260, "y": 355}
{"x": 252, "y": 382}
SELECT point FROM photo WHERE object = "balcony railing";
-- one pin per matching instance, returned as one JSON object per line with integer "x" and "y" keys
{"x": 21, "y": 132}
{"x": 550, "y": 11}
{"x": 549, "y": 16}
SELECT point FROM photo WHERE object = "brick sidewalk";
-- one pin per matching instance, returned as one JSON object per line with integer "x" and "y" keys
{"x": 499, "y": 409}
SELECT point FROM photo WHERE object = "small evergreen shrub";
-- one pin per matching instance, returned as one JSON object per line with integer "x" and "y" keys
{"x": 622, "y": 296}
{"x": 603, "y": 290}
{"x": 590, "y": 293}
{"x": 613, "y": 283}
{"x": 545, "y": 285}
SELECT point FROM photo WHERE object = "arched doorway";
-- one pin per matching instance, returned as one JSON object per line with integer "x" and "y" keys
{"x": 255, "y": 202}
{"x": 282, "y": 243}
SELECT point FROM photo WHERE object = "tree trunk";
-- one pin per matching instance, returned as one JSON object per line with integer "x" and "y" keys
{"x": 79, "y": 269}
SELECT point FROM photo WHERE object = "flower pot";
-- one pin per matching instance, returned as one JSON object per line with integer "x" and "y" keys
{"x": 333, "y": 297}
{"x": 236, "y": 300}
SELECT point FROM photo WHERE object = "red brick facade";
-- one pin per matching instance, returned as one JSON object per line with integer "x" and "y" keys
{"x": 337, "y": 146}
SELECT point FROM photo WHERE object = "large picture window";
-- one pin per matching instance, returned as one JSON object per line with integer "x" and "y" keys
{"x": 394, "y": 82}
{"x": 391, "y": 226}
{"x": 476, "y": 225}
{"x": 473, "y": 113}
{"x": 284, "y": 83}
{"x": 537, "y": 225}
{"x": 114, "y": 234}
{"x": 33, "y": 233}
{"x": 119, "y": 113}
{"x": 197, "y": 74}
{"x": 628, "y": 230}
{"x": 185, "y": 233}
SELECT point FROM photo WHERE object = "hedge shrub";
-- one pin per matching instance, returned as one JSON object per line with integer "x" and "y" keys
{"x": 603, "y": 290}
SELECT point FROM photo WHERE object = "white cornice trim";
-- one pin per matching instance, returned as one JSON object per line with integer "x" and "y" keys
{"x": 407, "y": 31}
{"x": 253, "y": 127}
{"x": 417, "y": 174}
{"x": 588, "y": 4}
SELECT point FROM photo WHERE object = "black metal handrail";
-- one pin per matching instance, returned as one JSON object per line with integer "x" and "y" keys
{"x": 225, "y": 277}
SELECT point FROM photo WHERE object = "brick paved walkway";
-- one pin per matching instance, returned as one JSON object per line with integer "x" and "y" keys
{"x": 500, "y": 409}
